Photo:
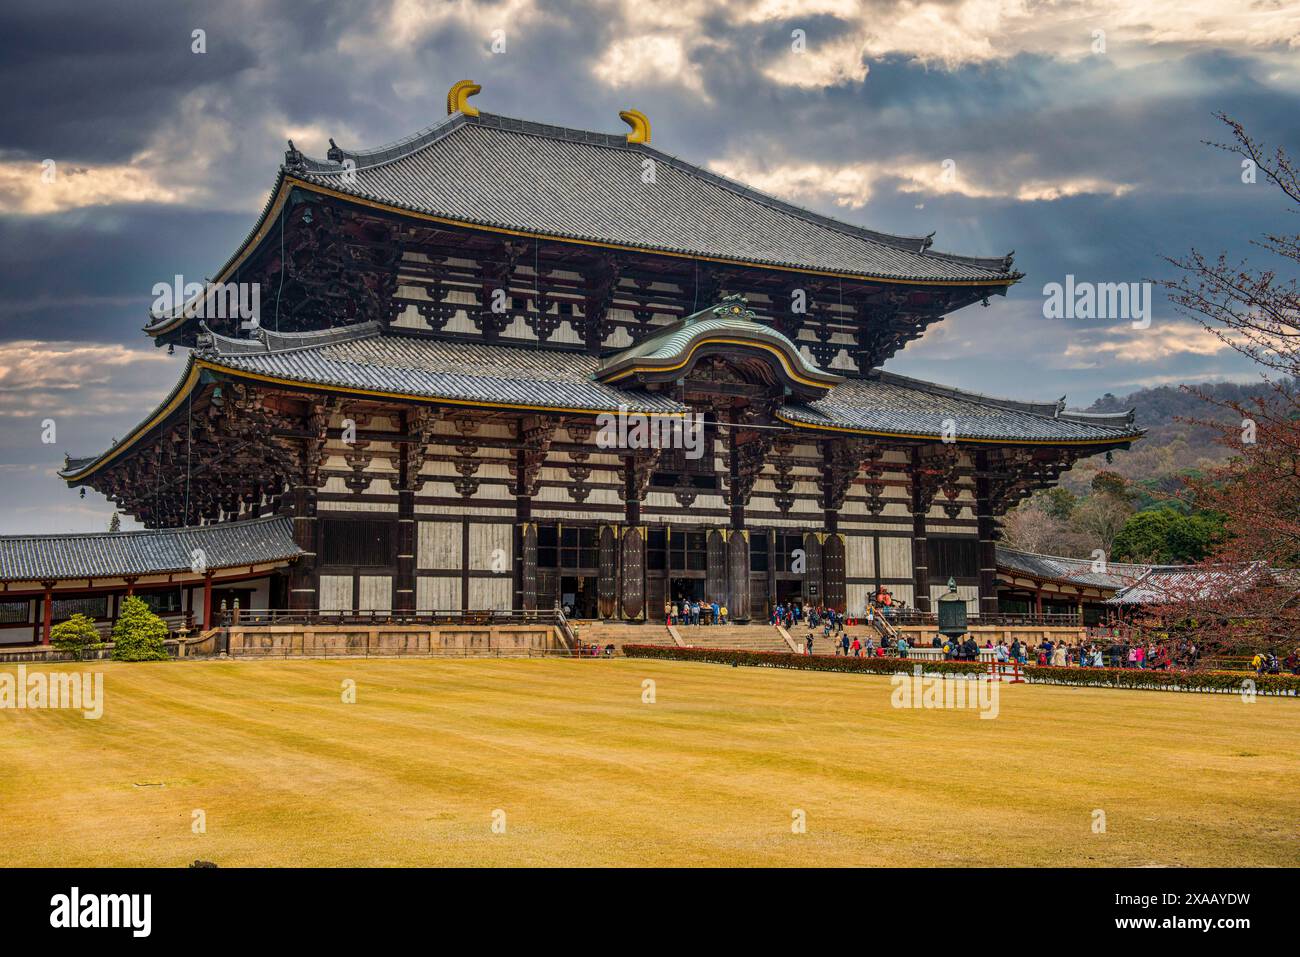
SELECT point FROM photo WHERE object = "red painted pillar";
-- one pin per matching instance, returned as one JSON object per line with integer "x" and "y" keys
{"x": 49, "y": 613}
{"x": 207, "y": 601}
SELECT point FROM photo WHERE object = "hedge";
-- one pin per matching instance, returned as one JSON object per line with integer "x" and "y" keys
{"x": 1136, "y": 678}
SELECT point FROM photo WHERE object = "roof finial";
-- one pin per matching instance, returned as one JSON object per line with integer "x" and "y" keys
{"x": 458, "y": 98}
{"x": 640, "y": 126}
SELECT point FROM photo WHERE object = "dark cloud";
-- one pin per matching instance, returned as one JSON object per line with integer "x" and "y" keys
{"x": 112, "y": 86}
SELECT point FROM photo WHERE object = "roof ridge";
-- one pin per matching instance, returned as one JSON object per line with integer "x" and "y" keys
{"x": 1015, "y": 405}
{"x": 1084, "y": 561}
{"x": 265, "y": 343}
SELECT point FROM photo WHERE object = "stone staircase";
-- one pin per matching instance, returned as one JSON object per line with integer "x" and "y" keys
{"x": 618, "y": 633}
{"x": 739, "y": 637}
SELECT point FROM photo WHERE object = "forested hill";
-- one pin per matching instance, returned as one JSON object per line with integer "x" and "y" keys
{"x": 1171, "y": 446}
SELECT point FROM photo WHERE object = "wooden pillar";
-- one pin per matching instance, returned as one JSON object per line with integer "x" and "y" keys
{"x": 48, "y": 612}
{"x": 986, "y": 526}
{"x": 302, "y": 573}
{"x": 737, "y": 591}
{"x": 207, "y": 600}
{"x": 404, "y": 581}
{"x": 774, "y": 560}
{"x": 1038, "y": 600}
{"x": 920, "y": 542}
{"x": 525, "y": 538}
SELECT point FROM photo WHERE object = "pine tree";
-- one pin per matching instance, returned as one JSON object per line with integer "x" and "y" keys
{"x": 139, "y": 633}
{"x": 115, "y": 523}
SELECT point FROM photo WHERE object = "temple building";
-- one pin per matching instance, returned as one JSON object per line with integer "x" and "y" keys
{"x": 448, "y": 325}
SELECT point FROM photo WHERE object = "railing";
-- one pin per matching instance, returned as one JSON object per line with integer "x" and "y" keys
{"x": 390, "y": 616}
{"x": 912, "y": 617}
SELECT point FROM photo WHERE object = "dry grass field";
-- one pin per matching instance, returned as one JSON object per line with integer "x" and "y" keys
{"x": 712, "y": 773}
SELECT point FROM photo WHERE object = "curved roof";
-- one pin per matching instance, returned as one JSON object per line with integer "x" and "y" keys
{"x": 530, "y": 179}
{"x": 156, "y": 551}
{"x": 889, "y": 404}
{"x": 497, "y": 171}
{"x": 730, "y": 324}
{"x": 1069, "y": 571}
{"x": 369, "y": 360}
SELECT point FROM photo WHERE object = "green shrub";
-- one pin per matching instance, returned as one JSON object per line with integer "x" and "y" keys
{"x": 139, "y": 633}
{"x": 1135, "y": 678}
{"x": 76, "y": 636}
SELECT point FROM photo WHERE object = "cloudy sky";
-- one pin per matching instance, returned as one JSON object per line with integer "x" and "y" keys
{"x": 1070, "y": 132}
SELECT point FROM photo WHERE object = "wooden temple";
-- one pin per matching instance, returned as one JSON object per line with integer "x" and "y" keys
{"x": 448, "y": 323}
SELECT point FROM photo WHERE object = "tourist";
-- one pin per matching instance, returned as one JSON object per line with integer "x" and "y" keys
{"x": 902, "y": 647}
{"x": 723, "y": 615}
{"x": 844, "y": 643}
{"x": 1058, "y": 656}
{"x": 669, "y": 609}
{"x": 716, "y": 611}
{"x": 808, "y": 640}
{"x": 857, "y": 647}
{"x": 1000, "y": 653}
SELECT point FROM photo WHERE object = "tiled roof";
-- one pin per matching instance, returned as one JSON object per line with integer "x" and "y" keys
{"x": 893, "y": 404}
{"x": 1072, "y": 571}
{"x": 420, "y": 367}
{"x": 368, "y": 359}
{"x": 504, "y": 173}
{"x": 117, "y": 554}
{"x": 1170, "y": 584}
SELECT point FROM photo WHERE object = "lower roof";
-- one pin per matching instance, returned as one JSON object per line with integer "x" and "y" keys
{"x": 1082, "y": 572}
{"x": 259, "y": 541}
{"x": 388, "y": 363}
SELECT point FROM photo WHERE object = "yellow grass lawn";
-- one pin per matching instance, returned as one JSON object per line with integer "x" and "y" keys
{"x": 582, "y": 772}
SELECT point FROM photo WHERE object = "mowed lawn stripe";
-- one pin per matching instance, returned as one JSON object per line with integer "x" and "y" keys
{"x": 586, "y": 773}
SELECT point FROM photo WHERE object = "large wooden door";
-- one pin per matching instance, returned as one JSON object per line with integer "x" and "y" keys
{"x": 738, "y": 576}
{"x": 607, "y": 582}
{"x": 715, "y": 578}
{"x": 633, "y": 577}
{"x": 813, "y": 593}
{"x": 528, "y": 566}
{"x": 833, "y": 571}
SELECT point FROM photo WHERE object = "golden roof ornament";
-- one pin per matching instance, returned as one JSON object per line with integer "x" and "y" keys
{"x": 458, "y": 97}
{"x": 640, "y": 126}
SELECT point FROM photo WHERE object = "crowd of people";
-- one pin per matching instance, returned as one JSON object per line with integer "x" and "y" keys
{"x": 692, "y": 611}
{"x": 1267, "y": 663}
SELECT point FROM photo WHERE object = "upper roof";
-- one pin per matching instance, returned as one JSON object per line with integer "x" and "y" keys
{"x": 158, "y": 551}
{"x": 505, "y": 173}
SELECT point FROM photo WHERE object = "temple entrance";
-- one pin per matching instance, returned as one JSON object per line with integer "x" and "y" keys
{"x": 789, "y": 591}
{"x": 692, "y": 588}
{"x": 578, "y": 595}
